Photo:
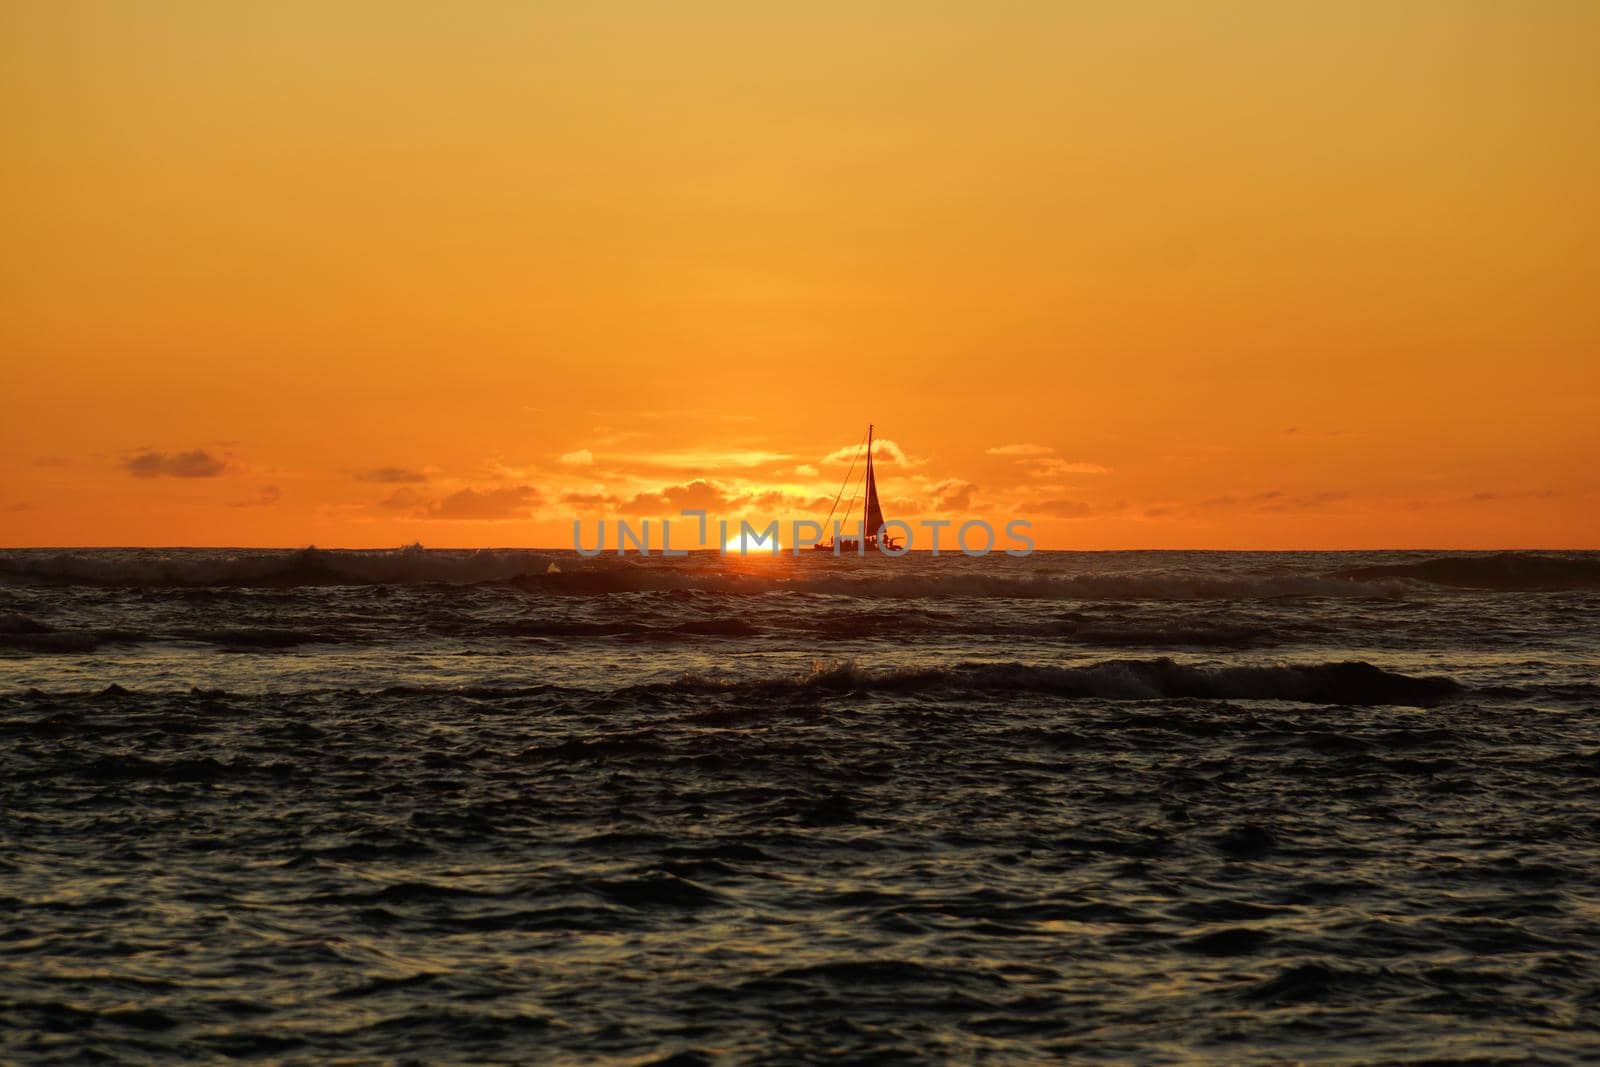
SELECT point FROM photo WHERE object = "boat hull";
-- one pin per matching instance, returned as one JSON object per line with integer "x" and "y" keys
{"x": 853, "y": 545}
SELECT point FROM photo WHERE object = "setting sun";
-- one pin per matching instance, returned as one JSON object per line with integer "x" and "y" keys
{"x": 751, "y": 544}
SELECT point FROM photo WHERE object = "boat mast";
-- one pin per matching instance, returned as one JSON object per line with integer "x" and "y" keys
{"x": 872, "y": 489}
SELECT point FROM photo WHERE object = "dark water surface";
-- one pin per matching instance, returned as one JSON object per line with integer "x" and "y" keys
{"x": 519, "y": 807}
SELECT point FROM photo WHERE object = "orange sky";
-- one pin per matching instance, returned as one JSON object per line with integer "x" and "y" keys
{"x": 1242, "y": 275}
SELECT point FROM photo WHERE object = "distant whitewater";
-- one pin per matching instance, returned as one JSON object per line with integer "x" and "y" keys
{"x": 1049, "y": 575}
{"x": 519, "y": 806}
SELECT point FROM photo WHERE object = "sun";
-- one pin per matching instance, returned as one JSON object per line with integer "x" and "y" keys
{"x": 751, "y": 543}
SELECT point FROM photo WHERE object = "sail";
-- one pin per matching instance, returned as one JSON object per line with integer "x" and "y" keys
{"x": 874, "y": 514}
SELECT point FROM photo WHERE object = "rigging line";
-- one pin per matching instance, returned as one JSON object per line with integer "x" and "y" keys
{"x": 840, "y": 493}
{"x": 859, "y": 486}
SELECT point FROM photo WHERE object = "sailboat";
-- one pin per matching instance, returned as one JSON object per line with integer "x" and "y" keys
{"x": 872, "y": 532}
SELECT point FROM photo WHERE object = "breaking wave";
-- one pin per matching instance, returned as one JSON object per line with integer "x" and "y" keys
{"x": 413, "y": 565}
{"x": 919, "y": 586}
{"x": 563, "y": 574}
{"x": 1354, "y": 682}
{"x": 1508, "y": 571}
{"x": 27, "y": 634}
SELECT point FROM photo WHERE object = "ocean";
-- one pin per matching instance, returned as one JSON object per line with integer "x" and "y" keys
{"x": 518, "y": 806}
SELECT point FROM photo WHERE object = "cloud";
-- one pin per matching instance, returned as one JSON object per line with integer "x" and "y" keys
{"x": 806, "y": 470}
{"x": 1491, "y": 496}
{"x": 497, "y": 467}
{"x": 610, "y": 436}
{"x": 511, "y": 502}
{"x": 953, "y": 495}
{"x": 268, "y": 496}
{"x": 586, "y": 499}
{"x": 1019, "y": 450}
{"x": 882, "y": 448}
{"x": 1050, "y": 467}
{"x": 771, "y": 499}
{"x": 195, "y": 464}
{"x": 1063, "y": 509}
{"x": 403, "y": 500}
{"x": 671, "y": 413}
{"x": 1272, "y": 500}
{"x": 706, "y": 459}
{"x": 1070, "y": 507}
{"x": 1041, "y": 461}
{"x": 1485, "y": 496}
{"x": 581, "y": 458}
{"x": 673, "y": 498}
{"x": 1268, "y": 501}
{"x": 466, "y": 505}
{"x": 392, "y": 475}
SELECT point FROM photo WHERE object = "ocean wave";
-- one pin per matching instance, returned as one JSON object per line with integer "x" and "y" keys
{"x": 1349, "y": 683}
{"x": 268, "y": 569}
{"x": 1354, "y": 682}
{"x": 1507, "y": 571}
{"x": 908, "y": 623}
{"x": 914, "y": 586}
{"x": 257, "y": 637}
{"x": 213, "y": 572}
{"x": 17, "y": 623}
{"x": 50, "y": 642}
{"x": 26, "y": 634}
{"x": 1177, "y": 635}
{"x": 710, "y": 627}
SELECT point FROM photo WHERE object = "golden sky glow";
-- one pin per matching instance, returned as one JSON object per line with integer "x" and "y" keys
{"x": 1151, "y": 275}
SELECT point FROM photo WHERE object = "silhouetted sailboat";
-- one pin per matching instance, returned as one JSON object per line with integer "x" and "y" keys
{"x": 871, "y": 533}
